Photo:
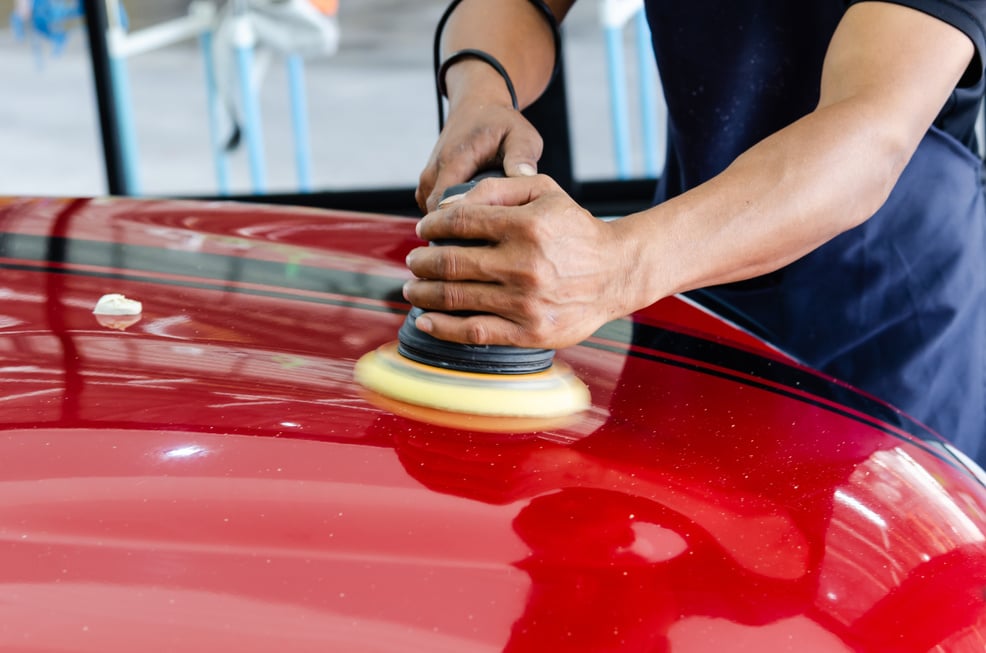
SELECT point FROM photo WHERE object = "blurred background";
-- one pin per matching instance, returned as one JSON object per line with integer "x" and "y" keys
{"x": 371, "y": 106}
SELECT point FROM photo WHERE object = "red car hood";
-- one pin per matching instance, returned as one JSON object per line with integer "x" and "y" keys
{"x": 210, "y": 478}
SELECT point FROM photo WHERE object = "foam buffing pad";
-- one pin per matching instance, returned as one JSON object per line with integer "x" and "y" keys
{"x": 553, "y": 392}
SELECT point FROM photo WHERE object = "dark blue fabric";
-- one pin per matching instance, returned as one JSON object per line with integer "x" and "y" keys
{"x": 897, "y": 306}
{"x": 733, "y": 73}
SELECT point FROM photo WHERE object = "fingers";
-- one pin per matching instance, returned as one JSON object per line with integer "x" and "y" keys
{"x": 426, "y": 183}
{"x": 449, "y": 296}
{"x": 456, "y": 160}
{"x": 471, "y": 216}
{"x": 436, "y": 178}
{"x": 468, "y": 279}
{"x": 449, "y": 175}
{"x": 484, "y": 328}
{"x": 463, "y": 220}
{"x": 451, "y": 263}
{"x": 474, "y": 330}
{"x": 474, "y": 139}
{"x": 516, "y": 191}
{"x": 484, "y": 213}
{"x": 546, "y": 278}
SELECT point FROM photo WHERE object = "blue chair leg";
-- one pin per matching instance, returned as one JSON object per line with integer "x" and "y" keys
{"x": 219, "y": 159}
{"x": 648, "y": 95}
{"x": 618, "y": 100}
{"x": 299, "y": 116}
{"x": 252, "y": 126}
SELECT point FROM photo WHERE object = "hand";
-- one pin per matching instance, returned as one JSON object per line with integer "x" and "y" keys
{"x": 550, "y": 277}
{"x": 479, "y": 135}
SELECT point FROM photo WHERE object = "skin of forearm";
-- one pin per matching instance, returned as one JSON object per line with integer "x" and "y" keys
{"x": 514, "y": 32}
{"x": 781, "y": 199}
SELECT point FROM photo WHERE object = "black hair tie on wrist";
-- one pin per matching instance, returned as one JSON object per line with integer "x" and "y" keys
{"x": 441, "y": 68}
{"x": 472, "y": 53}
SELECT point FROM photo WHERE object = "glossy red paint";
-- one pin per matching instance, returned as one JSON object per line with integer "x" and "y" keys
{"x": 210, "y": 478}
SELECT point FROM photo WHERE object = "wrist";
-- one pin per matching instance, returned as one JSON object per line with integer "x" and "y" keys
{"x": 648, "y": 277}
{"x": 474, "y": 80}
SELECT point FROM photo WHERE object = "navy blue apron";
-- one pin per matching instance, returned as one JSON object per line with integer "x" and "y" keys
{"x": 895, "y": 307}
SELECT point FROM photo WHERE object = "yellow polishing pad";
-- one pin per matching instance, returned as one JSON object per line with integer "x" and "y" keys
{"x": 555, "y": 392}
{"x": 469, "y": 422}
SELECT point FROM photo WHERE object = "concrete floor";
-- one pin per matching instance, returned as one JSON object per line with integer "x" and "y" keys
{"x": 372, "y": 108}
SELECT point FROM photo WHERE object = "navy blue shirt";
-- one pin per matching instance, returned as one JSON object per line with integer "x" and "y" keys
{"x": 735, "y": 72}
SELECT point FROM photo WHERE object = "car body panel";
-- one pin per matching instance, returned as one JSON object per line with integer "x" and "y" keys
{"x": 209, "y": 476}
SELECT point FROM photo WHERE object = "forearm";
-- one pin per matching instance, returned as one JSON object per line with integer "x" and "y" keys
{"x": 513, "y": 31}
{"x": 780, "y": 200}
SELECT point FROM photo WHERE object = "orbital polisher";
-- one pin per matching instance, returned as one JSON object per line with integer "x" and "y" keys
{"x": 487, "y": 381}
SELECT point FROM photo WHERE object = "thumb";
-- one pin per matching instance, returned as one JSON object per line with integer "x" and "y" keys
{"x": 453, "y": 173}
{"x": 521, "y": 154}
{"x": 521, "y": 168}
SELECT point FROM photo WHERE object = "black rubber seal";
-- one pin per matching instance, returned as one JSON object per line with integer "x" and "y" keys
{"x": 484, "y": 359}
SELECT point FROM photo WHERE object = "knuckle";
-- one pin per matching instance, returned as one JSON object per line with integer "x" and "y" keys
{"x": 542, "y": 330}
{"x": 484, "y": 134}
{"x": 450, "y": 296}
{"x": 529, "y": 278}
{"x": 526, "y": 308}
{"x": 476, "y": 333}
{"x": 483, "y": 183}
{"x": 452, "y": 153}
{"x": 458, "y": 219}
{"x": 546, "y": 184}
{"x": 446, "y": 266}
{"x": 541, "y": 228}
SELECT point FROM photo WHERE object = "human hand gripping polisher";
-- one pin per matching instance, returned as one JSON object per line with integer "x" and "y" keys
{"x": 502, "y": 387}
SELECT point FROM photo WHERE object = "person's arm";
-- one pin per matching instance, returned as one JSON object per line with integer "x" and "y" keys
{"x": 556, "y": 273}
{"x": 482, "y": 125}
